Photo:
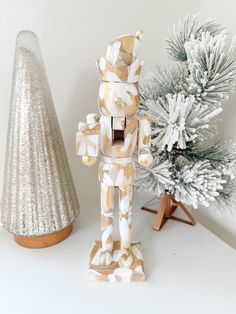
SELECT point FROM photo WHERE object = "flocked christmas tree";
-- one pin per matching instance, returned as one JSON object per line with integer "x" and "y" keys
{"x": 185, "y": 103}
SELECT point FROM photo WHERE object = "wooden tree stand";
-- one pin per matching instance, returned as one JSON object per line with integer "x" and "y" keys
{"x": 44, "y": 241}
{"x": 168, "y": 205}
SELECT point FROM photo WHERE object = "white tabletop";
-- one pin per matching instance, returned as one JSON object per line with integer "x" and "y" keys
{"x": 188, "y": 269}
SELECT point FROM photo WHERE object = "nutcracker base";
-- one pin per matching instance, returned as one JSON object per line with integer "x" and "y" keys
{"x": 44, "y": 241}
{"x": 114, "y": 272}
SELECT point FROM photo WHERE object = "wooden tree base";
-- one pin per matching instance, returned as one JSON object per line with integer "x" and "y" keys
{"x": 44, "y": 241}
{"x": 168, "y": 205}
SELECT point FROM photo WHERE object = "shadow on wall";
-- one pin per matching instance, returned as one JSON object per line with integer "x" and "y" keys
{"x": 222, "y": 225}
{"x": 81, "y": 102}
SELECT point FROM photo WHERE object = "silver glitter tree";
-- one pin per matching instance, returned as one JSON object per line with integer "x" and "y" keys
{"x": 39, "y": 197}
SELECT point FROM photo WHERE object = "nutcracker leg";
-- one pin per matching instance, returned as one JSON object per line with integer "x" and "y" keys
{"x": 125, "y": 198}
{"x": 107, "y": 206}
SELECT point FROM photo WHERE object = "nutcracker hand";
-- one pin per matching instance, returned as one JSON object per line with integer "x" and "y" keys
{"x": 89, "y": 160}
{"x": 145, "y": 158}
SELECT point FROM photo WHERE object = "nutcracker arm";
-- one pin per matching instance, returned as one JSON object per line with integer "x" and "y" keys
{"x": 87, "y": 139}
{"x": 144, "y": 141}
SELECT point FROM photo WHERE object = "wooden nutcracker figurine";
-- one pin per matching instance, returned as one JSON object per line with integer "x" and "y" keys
{"x": 117, "y": 133}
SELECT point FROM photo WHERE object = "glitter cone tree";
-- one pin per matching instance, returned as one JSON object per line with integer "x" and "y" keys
{"x": 39, "y": 199}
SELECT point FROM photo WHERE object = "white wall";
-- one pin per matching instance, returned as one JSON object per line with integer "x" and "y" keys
{"x": 72, "y": 33}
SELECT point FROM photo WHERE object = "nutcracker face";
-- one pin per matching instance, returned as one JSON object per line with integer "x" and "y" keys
{"x": 118, "y": 99}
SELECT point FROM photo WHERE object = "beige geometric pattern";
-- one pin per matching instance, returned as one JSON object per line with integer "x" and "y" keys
{"x": 123, "y": 73}
{"x": 118, "y": 99}
{"x": 87, "y": 138}
{"x": 125, "y": 198}
{"x": 128, "y": 44}
{"x": 107, "y": 208}
{"x": 144, "y": 141}
{"x": 114, "y": 272}
{"x": 117, "y": 133}
{"x": 116, "y": 173}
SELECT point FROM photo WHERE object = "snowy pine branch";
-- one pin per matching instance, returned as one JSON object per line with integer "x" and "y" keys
{"x": 191, "y": 27}
{"x": 178, "y": 120}
{"x": 156, "y": 178}
{"x": 196, "y": 183}
{"x": 211, "y": 68}
{"x": 221, "y": 155}
{"x": 162, "y": 82}
{"x": 227, "y": 196}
